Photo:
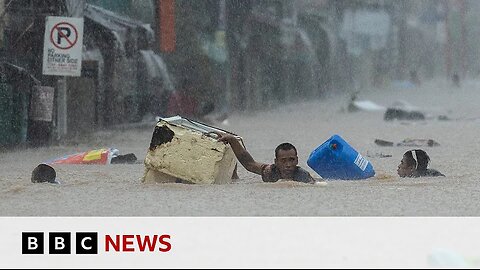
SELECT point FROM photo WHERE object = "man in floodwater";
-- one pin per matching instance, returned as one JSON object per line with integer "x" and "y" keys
{"x": 284, "y": 167}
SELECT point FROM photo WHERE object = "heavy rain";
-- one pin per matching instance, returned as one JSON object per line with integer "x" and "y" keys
{"x": 387, "y": 76}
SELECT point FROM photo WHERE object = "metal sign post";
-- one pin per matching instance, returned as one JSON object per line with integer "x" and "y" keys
{"x": 62, "y": 107}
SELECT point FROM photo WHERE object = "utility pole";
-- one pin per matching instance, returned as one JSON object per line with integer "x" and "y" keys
{"x": 166, "y": 25}
{"x": 62, "y": 108}
{"x": 220, "y": 40}
{"x": 463, "y": 13}
{"x": 448, "y": 50}
{"x": 401, "y": 21}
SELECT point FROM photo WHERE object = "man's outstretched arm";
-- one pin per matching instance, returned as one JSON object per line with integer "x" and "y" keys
{"x": 241, "y": 153}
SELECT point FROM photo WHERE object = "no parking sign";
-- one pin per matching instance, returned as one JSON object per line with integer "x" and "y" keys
{"x": 62, "y": 50}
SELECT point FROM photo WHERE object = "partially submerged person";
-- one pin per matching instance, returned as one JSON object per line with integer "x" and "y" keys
{"x": 285, "y": 165}
{"x": 44, "y": 173}
{"x": 456, "y": 79}
{"x": 414, "y": 78}
{"x": 414, "y": 164}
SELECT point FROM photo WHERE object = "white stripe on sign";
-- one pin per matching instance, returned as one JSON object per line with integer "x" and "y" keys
{"x": 361, "y": 162}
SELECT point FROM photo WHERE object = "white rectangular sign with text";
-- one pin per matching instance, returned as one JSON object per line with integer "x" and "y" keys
{"x": 62, "y": 49}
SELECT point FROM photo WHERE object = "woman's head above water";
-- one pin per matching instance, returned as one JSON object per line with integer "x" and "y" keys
{"x": 413, "y": 161}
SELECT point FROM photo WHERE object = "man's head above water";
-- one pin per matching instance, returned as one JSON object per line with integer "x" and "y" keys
{"x": 286, "y": 159}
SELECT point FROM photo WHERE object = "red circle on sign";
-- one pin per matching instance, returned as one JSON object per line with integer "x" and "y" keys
{"x": 71, "y": 44}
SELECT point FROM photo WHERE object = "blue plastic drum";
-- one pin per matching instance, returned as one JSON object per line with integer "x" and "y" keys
{"x": 336, "y": 159}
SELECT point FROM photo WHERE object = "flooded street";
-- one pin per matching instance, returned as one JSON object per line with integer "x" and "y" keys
{"x": 385, "y": 92}
{"x": 116, "y": 190}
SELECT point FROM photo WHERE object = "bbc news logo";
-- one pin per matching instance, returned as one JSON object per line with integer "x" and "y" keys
{"x": 87, "y": 243}
{"x": 59, "y": 243}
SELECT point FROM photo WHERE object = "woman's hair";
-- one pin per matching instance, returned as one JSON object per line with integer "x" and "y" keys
{"x": 417, "y": 158}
